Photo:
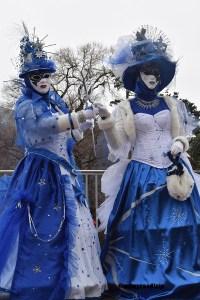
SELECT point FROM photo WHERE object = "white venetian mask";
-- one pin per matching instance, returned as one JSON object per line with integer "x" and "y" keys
{"x": 41, "y": 82}
{"x": 149, "y": 80}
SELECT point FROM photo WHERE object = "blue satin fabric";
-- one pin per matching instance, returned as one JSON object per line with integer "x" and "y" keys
{"x": 4, "y": 184}
{"x": 43, "y": 269}
{"x": 152, "y": 247}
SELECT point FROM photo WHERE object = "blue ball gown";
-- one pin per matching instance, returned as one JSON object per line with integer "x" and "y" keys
{"x": 152, "y": 245}
{"x": 49, "y": 247}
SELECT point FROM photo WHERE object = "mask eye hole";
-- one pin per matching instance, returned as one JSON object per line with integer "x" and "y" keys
{"x": 38, "y": 77}
{"x": 46, "y": 75}
{"x": 151, "y": 71}
{"x": 35, "y": 77}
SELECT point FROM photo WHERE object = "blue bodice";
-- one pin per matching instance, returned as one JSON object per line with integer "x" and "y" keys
{"x": 136, "y": 108}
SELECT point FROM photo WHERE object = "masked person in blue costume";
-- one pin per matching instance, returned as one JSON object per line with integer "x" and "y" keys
{"x": 49, "y": 247}
{"x": 152, "y": 211}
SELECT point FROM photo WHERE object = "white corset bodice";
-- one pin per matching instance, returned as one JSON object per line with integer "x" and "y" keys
{"x": 58, "y": 144}
{"x": 153, "y": 138}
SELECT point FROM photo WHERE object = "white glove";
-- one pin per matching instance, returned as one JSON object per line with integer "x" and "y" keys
{"x": 177, "y": 147}
{"x": 87, "y": 125}
{"x": 102, "y": 110}
{"x": 90, "y": 113}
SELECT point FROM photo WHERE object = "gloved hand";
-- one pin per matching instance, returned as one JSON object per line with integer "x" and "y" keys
{"x": 88, "y": 124}
{"x": 102, "y": 110}
{"x": 177, "y": 147}
{"x": 90, "y": 113}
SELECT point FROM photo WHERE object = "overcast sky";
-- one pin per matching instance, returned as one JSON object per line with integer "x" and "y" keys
{"x": 74, "y": 22}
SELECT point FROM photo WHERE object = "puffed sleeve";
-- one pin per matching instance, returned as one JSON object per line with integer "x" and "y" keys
{"x": 35, "y": 126}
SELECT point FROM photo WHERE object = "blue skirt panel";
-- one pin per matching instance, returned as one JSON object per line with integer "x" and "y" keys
{"x": 4, "y": 184}
{"x": 152, "y": 247}
{"x": 40, "y": 218}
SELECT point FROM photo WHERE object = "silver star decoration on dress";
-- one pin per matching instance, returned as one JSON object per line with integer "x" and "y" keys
{"x": 37, "y": 269}
{"x": 177, "y": 216}
{"x": 164, "y": 254}
{"x": 42, "y": 181}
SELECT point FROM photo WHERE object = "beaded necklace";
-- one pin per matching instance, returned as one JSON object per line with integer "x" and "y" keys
{"x": 147, "y": 104}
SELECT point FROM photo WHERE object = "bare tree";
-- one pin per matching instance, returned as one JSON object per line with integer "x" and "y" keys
{"x": 11, "y": 92}
{"x": 80, "y": 73}
{"x": 9, "y": 153}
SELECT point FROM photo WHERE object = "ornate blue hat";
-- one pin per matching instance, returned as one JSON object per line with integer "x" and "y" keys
{"x": 33, "y": 57}
{"x": 147, "y": 45}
